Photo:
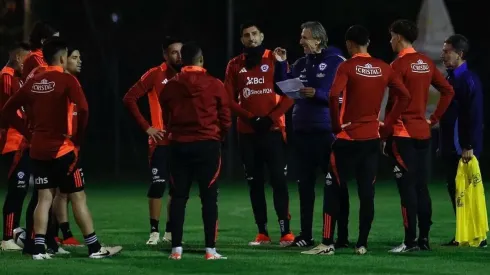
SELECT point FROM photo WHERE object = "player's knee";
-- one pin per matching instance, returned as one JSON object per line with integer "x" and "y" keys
{"x": 156, "y": 190}
{"x": 76, "y": 198}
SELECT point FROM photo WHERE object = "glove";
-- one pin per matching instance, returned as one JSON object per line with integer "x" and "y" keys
{"x": 254, "y": 123}
{"x": 262, "y": 124}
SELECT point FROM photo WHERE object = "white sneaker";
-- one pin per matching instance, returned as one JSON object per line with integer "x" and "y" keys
{"x": 321, "y": 249}
{"x": 154, "y": 238}
{"x": 403, "y": 248}
{"x": 167, "y": 237}
{"x": 10, "y": 245}
{"x": 176, "y": 253}
{"x": 106, "y": 251}
{"x": 41, "y": 257}
{"x": 215, "y": 256}
{"x": 60, "y": 251}
{"x": 211, "y": 254}
{"x": 361, "y": 250}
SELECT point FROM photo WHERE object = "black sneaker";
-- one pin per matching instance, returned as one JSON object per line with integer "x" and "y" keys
{"x": 451, "y": 243}
{"x": 301, "y": 241}
{"x": 341, "y": 244}
{"x": 483, "y": 244}
{"x": 424, "y": 244}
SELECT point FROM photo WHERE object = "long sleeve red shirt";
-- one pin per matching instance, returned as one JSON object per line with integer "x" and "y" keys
{"x": 48, "y": 98}
{"x": 33, "y": 60}
{"x": 149, "y": 84}
{"x": 251, "y": 93}
{"x": 11, "y": 140}
{"x": 196, "y": 106}
{"x": 418, "y": 72}
{"x": 363, "y": 80}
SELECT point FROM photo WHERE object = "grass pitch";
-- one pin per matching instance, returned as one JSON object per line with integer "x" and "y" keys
{"x": 121, "y": 217}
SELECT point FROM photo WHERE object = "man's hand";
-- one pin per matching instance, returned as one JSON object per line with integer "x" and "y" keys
{"x": 385, "y": 131}
{"x": 155, "y": 134}
{"x": 467, "y": 155}
{"x": 343, "y": 126}
{"x": 280, "y": 54}
{"x": 383, "y": 148}
{"x": 429, "y": 122}
{"x": 307, "y": 92}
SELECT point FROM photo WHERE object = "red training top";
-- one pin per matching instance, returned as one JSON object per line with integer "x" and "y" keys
{"x": 254, "y": 89}
{"x": 10, "y": 140}
{"x": 195, "y": 106}
{"x": 149, "y": 84}
{"x": 418, "y": 72}
{"x": 48, "y": 99}
{"x": 363, "y": 80}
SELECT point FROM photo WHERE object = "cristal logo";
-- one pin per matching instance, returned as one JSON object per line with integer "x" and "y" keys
{"x": 40, "y": 180}
{"x": 248, "y": 92}
{"x": 420, "y": 67}
{"x": 368, "y": 70}
{"x": 255, "y": 80}
{"x": 44, "y": 86}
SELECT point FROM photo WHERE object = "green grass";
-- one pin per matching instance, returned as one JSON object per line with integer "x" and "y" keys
{"x": 121, "y": 217}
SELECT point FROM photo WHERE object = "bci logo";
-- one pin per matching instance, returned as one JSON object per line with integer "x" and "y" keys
{"x": 255, "y": 80}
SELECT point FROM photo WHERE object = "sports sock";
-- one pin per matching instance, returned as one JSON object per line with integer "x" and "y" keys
{"x": 284, "y": 227}
{"x": 177, "y": 249}
{"x": 8, "y": 225}
{"x": 154, "y": 225}
{"x": 65, "y": 230}
{"x": 92, "y": 243}
{"x": 263, "y": 229}
{"x": 39, "y": 241}
{"x": 167, "y": 227}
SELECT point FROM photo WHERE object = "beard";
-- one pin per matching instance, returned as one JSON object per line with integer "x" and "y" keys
{"x": 176, "y": 67}
{"x": 253, "y": 56}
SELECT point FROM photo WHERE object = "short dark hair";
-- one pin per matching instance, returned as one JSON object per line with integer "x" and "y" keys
{"x": 459, "y": 43}
{"x": 248, "y": 24}
{"x": 71, "y": 50}
{"x": 405, "y": 28}
{"x": 19, "y": 46}
{"x": 40, "y": 31}
{"x": 317, "y": 32}
{"x": 190, "y": 53}
{"x": 357, "y": 34}
{"x": 52, "y": 47}
{"x": 169, "y": 40}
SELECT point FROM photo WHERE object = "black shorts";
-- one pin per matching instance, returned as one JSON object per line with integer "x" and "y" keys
{"x": 159, "y": 169}
{"x": 17, "y": 164}
{"x": 63, "y": 173}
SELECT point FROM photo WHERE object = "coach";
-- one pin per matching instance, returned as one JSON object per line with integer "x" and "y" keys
{"x": 461, "y": 127}
{"x": 311, "y": 121}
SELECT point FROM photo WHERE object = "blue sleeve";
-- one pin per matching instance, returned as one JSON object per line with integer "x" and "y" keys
{"x": 281, "y": 72}
{"x": 473, "y": 112}
{"x": 321, "y": 93}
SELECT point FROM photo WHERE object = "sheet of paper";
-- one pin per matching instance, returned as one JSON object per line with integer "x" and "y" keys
{"x": 291, "y": 87}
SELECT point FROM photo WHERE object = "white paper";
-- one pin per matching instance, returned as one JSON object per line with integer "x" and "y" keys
{"x": 291, "y": 87}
